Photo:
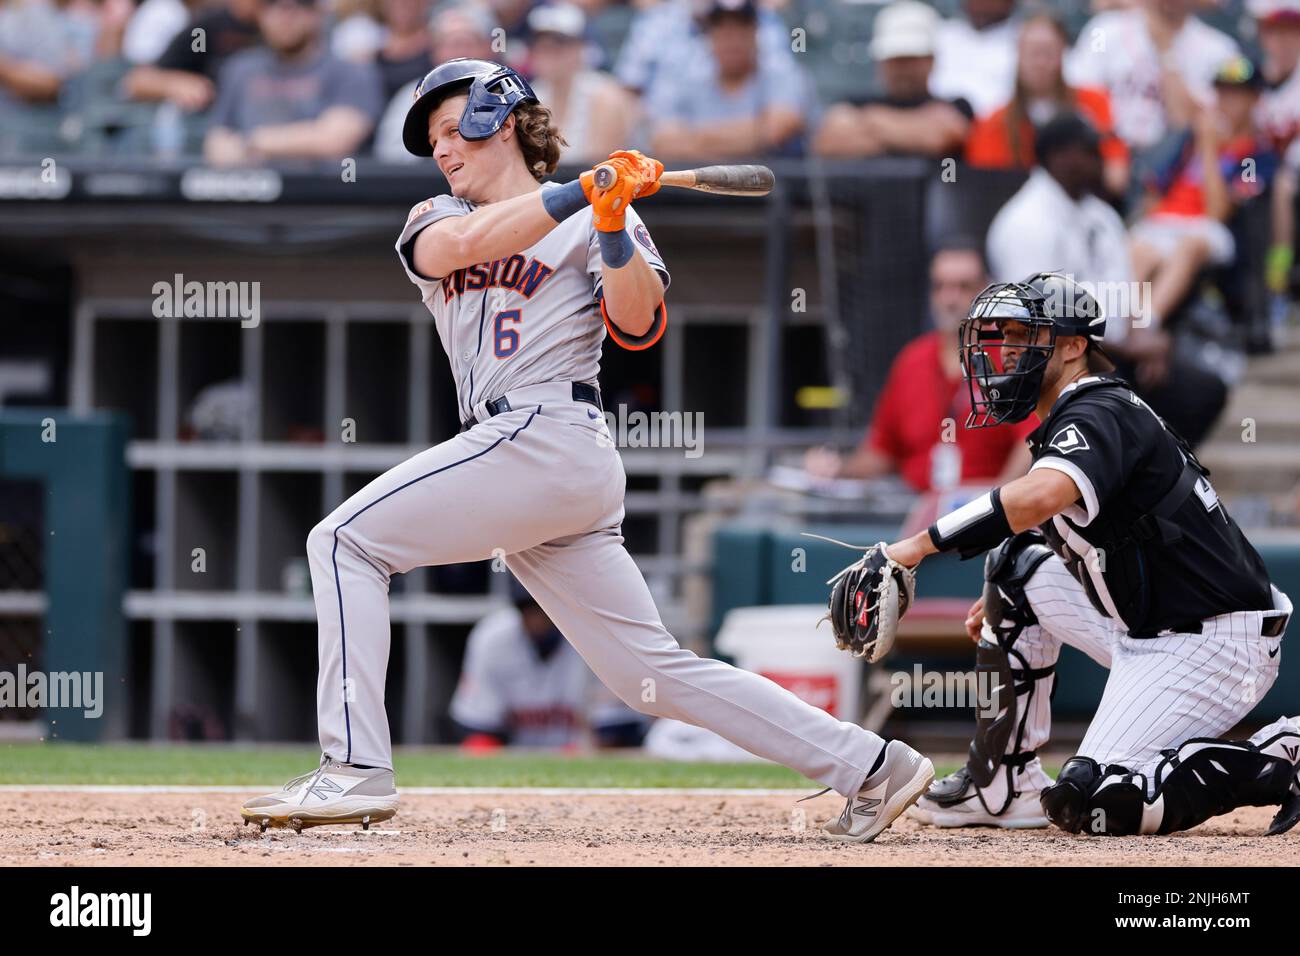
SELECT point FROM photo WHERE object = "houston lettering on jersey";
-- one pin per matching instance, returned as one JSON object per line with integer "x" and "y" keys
{"x": 523, "y": 276}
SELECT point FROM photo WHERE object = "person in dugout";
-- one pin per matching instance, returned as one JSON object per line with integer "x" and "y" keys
{"x": 523, "y": 684}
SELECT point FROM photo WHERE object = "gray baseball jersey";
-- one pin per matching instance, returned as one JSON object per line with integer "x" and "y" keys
{"x": 541, "y": 484}
{"x": 528, "y": 318}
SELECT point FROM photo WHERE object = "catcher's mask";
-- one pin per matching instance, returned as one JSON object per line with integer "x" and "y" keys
{"x": 494, "y": 92}
{"x": 1005, "y": 344}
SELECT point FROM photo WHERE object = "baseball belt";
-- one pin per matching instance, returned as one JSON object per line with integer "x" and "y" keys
{"x": 535, "y": 395}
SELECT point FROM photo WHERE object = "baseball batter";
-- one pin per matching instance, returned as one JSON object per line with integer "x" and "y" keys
{"x": 1138, "y": 564}
{"x": 524, "y": 282}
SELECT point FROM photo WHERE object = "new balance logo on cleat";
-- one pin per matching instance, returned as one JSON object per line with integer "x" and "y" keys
{"x": 325, "y": 788}
{"x": 867, "y": 807}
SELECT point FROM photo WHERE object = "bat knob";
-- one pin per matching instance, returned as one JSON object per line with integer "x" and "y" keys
{"x": 605, "y": 177}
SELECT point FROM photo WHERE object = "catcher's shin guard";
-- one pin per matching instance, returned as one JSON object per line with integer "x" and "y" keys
{"x": 1002, "y": 674}
{"x": 1203, "y": 778}
{"x": 1206, "y": 777}
{"x": 995, "y": 716}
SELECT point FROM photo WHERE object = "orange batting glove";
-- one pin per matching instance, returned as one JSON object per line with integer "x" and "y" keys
{"x": 637, "y": 176}
{"x": 648, "y": 170}
{"x": 609, "y": 206}
{"x": 588, "y": 179}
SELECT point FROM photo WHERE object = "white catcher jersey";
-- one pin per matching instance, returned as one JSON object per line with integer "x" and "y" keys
{"x": 529, "y": 318}
{"x": 505, "y": 687}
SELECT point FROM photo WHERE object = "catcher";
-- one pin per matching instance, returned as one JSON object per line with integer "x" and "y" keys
{"x": 1114, "y": 543}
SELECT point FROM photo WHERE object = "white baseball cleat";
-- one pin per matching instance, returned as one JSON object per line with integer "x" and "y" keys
{"x": 884, "y": 795}
{"x": 955, "y": 801}
{"x": 1282, "y": 739}
{"x": 332, "y": 793}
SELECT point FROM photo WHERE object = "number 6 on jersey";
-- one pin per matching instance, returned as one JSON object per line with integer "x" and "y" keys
{"x": 505, "y": 341}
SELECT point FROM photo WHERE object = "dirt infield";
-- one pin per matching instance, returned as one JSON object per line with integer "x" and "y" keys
{"x": 504, "y": 828}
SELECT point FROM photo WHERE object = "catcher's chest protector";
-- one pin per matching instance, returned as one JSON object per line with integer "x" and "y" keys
{"x": 1148, "y": 538}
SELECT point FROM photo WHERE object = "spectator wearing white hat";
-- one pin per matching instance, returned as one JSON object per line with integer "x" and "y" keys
{"x": 590, "y": 107}
{"x": 906, "y": 118}
{"x": 975, "y": 55}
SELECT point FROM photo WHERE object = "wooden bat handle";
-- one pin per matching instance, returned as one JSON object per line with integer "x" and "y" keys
{"x": 723, "y": 180}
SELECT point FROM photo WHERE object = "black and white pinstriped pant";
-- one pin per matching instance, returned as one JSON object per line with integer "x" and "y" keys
{"x": 1162, "y": 690}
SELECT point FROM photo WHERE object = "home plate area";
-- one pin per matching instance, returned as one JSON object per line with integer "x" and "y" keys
{"x": 522, "y": 827}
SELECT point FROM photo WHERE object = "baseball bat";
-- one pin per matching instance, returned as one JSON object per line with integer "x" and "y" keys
{"x": 723, "y": 180}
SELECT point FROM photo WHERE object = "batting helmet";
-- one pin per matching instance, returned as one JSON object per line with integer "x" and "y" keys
{"x": 494, "y": 92}
{"x": 1045, "y": 305}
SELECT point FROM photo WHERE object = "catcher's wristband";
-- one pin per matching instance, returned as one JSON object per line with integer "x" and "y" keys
{"x": 974, "y": 527}
{"x": 561, "y": 202}
{"x": 616, "y": 248}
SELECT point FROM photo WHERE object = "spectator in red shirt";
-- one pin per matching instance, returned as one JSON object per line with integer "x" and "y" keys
{"x": 917, "y": 430}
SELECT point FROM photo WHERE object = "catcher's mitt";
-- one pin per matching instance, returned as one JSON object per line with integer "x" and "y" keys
{"x": 868, "y": 599}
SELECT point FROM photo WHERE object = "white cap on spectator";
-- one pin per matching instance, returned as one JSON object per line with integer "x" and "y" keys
{"x": 1274, "y": 9}
{"x": 562, "y": 18}
{"x": 905, "y": 28}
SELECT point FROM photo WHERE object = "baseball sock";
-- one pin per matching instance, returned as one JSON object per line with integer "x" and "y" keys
{"x": 880, "y": 758}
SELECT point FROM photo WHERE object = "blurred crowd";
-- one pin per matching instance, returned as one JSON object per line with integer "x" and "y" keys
{"x": 680, "y": 78}
{"x": 1148, "y": 125}
{"x": 1169, "y": 97}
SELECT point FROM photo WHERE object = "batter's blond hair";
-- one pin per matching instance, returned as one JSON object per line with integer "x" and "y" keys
{"x": 539, "y": 139}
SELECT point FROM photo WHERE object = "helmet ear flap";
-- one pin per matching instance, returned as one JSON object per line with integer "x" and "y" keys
{"x": 491, "y": 101}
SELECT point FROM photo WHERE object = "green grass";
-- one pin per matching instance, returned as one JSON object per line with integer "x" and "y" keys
{"x": 66, "y": 763}
{"x": 221, "y": 765}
